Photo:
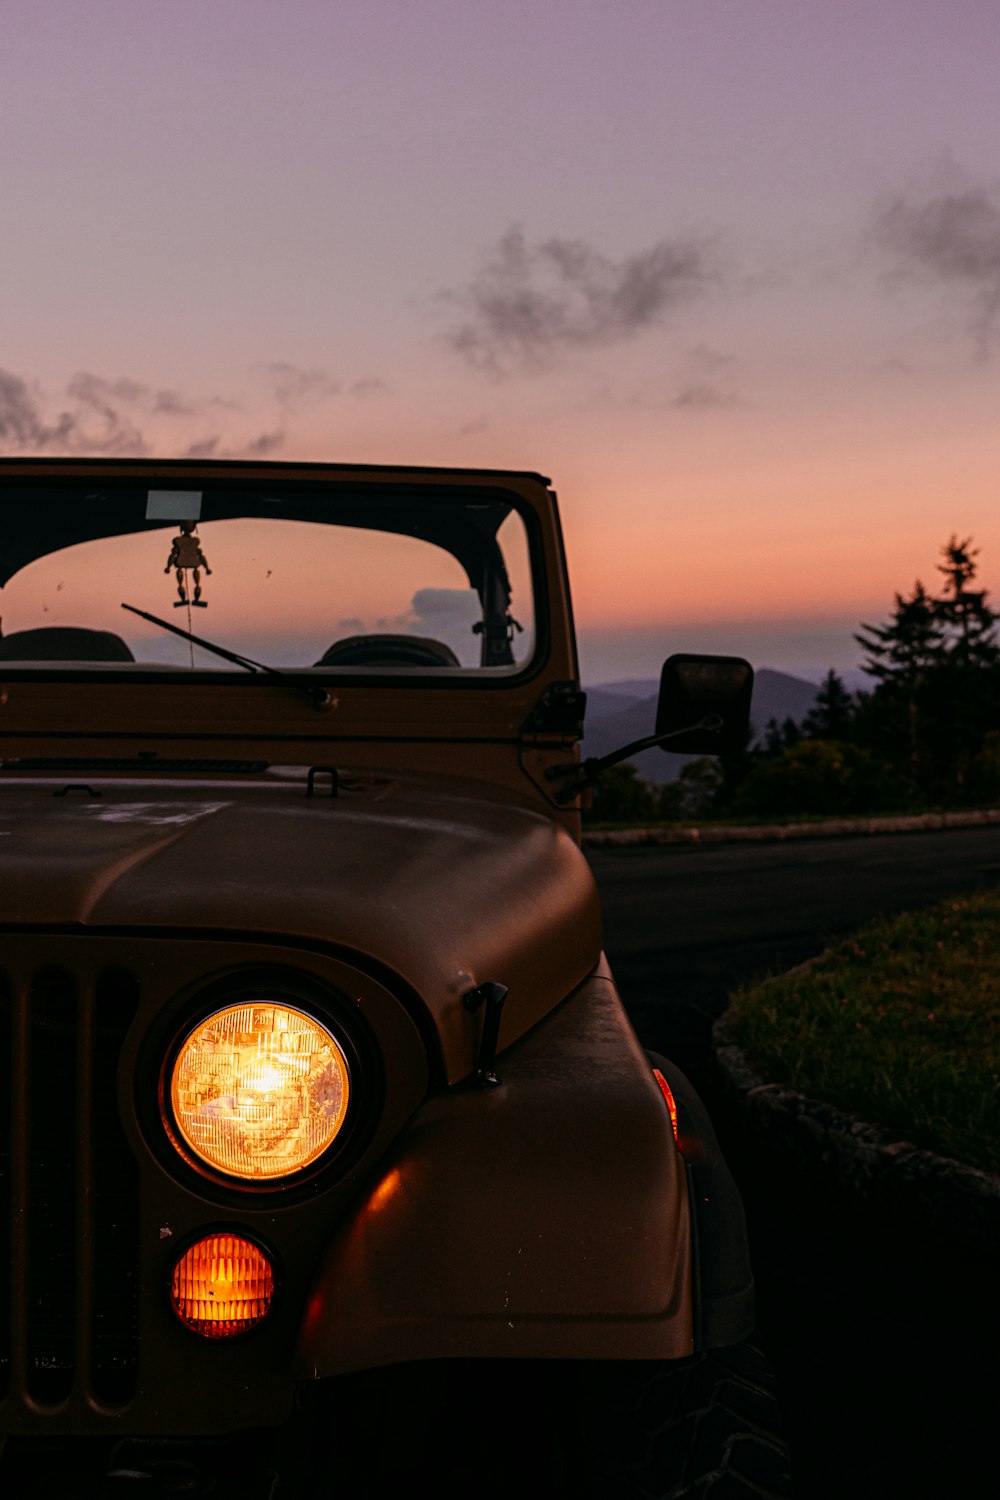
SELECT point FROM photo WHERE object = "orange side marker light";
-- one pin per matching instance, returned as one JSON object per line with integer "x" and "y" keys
{"x": 222, "y": 1286}
{"x": 670, "y": 1101}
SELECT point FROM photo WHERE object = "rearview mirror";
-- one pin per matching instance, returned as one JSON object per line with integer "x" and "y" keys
{"x": 698, "y": 691}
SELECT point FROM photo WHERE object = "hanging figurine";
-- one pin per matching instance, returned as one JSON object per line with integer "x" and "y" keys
{"x": 186, "y": 555}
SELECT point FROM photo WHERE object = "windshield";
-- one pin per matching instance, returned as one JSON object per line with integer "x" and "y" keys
{"x": 314, "y": 578}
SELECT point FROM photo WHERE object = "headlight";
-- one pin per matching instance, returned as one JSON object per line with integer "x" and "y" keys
{"x": 259, "y": 1091}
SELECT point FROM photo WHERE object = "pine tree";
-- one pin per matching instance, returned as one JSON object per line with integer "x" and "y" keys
{"x": 902, "y": 655}
{"x": 901, "y": 652}
{"x": 831, "y": 715}
{"x": 966, "y": 688}
{"x": 780, "y": 737}
{"x": 969, "y": 624}
{"x": 936, "y": 665}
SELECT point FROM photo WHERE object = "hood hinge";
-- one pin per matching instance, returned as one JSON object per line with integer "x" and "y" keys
{"x": 559, "y": 710}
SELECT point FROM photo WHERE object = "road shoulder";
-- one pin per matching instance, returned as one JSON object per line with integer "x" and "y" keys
{"x": 960, "y": 1202}
{"x": 763, "y": 833}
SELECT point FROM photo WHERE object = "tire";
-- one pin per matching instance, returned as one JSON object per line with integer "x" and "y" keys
{"x": 705, "y": 1426}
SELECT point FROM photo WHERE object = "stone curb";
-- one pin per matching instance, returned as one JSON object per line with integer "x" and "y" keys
{"x": 710, "y": 833}
{"x": 962, "y": 1203}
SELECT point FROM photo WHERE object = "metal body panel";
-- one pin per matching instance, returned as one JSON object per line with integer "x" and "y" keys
{"x": 547, "y": 1218}
{"x": 437, "y": 883}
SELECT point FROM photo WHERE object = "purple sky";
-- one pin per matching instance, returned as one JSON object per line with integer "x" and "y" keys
{"x": 727, "y": 270}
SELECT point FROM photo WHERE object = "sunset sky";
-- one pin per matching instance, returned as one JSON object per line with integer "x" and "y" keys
{"x": 728, "y": 271}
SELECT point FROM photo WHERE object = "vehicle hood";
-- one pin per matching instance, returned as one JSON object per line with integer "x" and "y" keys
{"x": 437, "y": 887}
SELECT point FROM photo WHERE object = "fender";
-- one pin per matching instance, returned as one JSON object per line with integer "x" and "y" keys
{"x": 545, "y": 1218}
{"x": 723, "y": 1279}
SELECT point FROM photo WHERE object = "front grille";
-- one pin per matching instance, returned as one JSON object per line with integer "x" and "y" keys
{"x": 68, "y": 1190}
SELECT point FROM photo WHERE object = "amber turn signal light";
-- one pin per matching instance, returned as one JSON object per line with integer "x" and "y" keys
{"x": 669, "y": 1101}
{"x": 222, "y": 1286}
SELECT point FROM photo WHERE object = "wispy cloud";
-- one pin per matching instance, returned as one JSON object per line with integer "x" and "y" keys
{"x": 208, "y": 447}
{"x": 114, "y": 417}
{"x": 22, "y": 426}
{"x": 103, "y": 423}
{"x": 702, "y": 395}
{"x": 171, "y": 403}
{"x": 706, "y": 381}
{"x": 473, "y": 427}
{"x": 529, "y": 303}
{"x": 370, "y": 385}
{"x": 949, "y": 234}
{"x": 91, "y": 423}
{"x": 295, "y": 387}
{"x": 262, "y": 445}
{"x": 216, "y": 446}
{"x": 703, "y": 379}
{"x": 118, "y": 416}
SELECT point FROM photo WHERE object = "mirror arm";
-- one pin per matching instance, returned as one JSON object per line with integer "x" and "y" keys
{"x": 593, "y": 766}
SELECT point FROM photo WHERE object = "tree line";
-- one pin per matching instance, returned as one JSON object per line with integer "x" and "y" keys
{"x": 926, "y": 734}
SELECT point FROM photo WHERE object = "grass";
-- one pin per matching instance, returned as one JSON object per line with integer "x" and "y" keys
{"x": 899, "y": 1024}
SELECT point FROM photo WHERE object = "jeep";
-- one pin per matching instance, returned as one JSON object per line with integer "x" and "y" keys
{"x": 329, "y": 1159}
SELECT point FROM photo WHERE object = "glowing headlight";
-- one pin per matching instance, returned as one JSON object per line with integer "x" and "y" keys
{"x": 259, "y": 1090}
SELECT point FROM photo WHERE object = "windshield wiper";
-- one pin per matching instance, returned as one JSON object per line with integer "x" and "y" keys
{"x": 318, "y": 696}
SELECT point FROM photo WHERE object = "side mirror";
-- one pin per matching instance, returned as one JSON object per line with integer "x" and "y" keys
{"x": 703, "y": 709}
{"x": 694, "y": 689}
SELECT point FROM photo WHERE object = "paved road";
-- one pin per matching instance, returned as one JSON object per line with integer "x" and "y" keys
{"x": 683, "y": 925}
{"x": 884, "y": 1339}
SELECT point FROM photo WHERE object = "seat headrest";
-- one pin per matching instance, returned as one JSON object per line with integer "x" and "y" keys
{"x": 63, "y": 643}
{"x": 388, "y": 651}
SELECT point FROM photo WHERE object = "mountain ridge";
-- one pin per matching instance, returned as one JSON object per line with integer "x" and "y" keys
{"x": 619, "y": 712}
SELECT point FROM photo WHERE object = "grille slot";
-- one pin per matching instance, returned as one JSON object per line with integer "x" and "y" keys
{"x": 5, "y": 1168}
{"x": 115, "y": 1337}
{"x": 51, "y": 1218}
{"x": 68, "y": 1191}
